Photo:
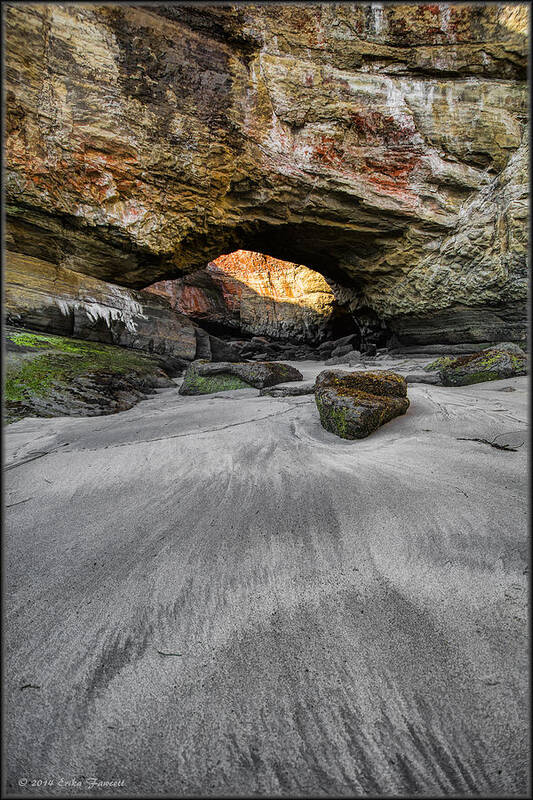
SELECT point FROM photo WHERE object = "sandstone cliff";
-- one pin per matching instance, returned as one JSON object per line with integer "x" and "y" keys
{"x": 379, "y": 145}
{"x": 44, "y": 297}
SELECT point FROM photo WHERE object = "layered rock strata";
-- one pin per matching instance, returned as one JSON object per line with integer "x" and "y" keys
{"x": 383, "y": 146}
{"x": 251, "y": 293}
{"x": 45, "y": 297}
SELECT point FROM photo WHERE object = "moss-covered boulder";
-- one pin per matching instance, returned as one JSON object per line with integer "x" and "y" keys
{"x": 502, "y": 361}
{"x": 354, "y": 404}
{"x": 203, "y": 377}
{"x": 52, "y": 376}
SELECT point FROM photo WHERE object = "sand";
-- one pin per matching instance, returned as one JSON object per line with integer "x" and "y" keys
{"x": 213, "y": 595}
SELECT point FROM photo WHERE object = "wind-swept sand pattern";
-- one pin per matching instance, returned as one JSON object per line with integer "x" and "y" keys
{"x": 216, "y": 596}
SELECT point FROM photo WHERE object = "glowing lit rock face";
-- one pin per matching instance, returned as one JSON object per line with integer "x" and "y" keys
{"x": 255, "y": 294}
{"x": 384, "y": 145}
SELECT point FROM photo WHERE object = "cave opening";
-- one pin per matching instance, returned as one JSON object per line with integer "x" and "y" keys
{"x": 245, "y": 295}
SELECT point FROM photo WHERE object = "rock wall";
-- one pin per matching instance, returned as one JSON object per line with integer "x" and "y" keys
{"x": 382, "y": 145}
{"x": 44, "y": 297}
{"x": 474, "y": 287}
{"x": 256, "y": 294}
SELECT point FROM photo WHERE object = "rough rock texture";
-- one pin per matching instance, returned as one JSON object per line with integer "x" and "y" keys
{"x": 45, "y": 297}
{"x": 255, "y": 294}
{"x": 222, "y": 351}
{"x": 485, "y": 258}
{"x": 384, "y": 146}
{"x": 505, "y": 361}
{"x": 203, "y": 344}
{"x": 214, "y": 349}
{"x": 306, "y": 387}
{"x": 352, "y": 357}
{"x": 55, "y": 376}
{"x": 354, "y": 404}
{"x": 423, "y": 377}
{"x": 461, "y": 327}
{"x": 425, "y": 351}
{"x": 204, "y": 378}
{"x": 342, "y": 351}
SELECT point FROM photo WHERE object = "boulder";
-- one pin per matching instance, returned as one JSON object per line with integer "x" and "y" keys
{"x": 510, "y": 347}
{"x": 351, "y": 358}
{"x": 341, "y": 350}
{"x": 51, "y": 376}
{"x": 423, "y": 377}
{"x": 354, "y": 404}
{"x": 326, "y": 347}
{"x": 306, "y": 387}
{"x": 203, "y": 344}
{"x": 284, "y": 346}
{"x": 223, "y": 351}
{"x": 203, "y": 377}
{"x": 351, "y": 339}
{"x": 503, "y": 361}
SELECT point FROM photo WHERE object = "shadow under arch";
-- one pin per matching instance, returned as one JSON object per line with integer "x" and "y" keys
{"x": 248, "y": 293}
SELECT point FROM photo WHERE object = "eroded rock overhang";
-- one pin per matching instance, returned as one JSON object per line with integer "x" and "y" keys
{"x": 248, "y": 294}
{"x": 382, "y": 146}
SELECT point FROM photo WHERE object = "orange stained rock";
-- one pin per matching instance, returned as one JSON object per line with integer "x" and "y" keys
{"x": 267, "y": 276}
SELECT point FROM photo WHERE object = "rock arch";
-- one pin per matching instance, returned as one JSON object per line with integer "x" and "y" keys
{"x": 383, "y": 147}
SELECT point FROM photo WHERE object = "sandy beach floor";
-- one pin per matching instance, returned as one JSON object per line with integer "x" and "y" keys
{"x": 213, "y": 595}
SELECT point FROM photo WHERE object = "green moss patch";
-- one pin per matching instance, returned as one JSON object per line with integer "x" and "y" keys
{"x": 486, "y": 365}
{"x": 439, "y": 363}
{"x": 55, "y": 372}
{"x": 204, "y": 377}
{"x": 333, "y": 419}
{"x": 198, "y": 384}
{"x": 353, "y": 405}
